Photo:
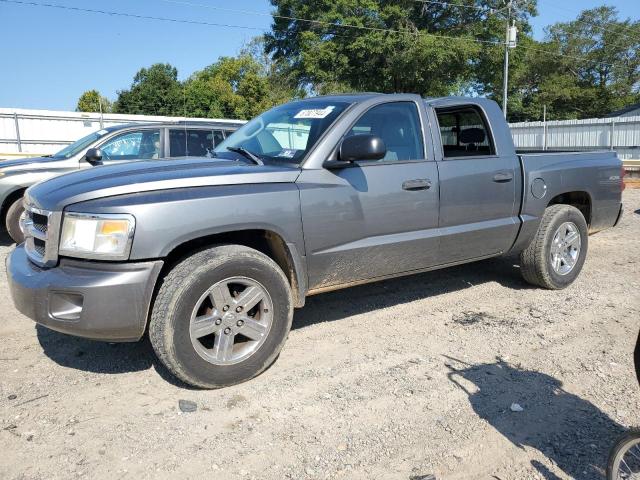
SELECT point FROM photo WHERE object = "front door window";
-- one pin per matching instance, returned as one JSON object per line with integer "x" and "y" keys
{"x": 135, "y": 145}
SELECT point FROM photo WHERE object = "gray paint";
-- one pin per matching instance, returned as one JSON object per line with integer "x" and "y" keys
{"x": 341, "y": 226}
{"x": 115, "y": 297}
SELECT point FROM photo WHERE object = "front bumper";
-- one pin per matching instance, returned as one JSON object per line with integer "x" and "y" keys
{"x": 99, "y": 300}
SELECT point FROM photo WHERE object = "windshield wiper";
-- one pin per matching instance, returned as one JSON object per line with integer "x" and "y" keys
{"x": 247, "y": 154}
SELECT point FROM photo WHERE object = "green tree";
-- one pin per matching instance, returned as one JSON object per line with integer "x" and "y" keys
{"x": 402, "y": 46}
{"x": 235, "y": 87}
{"x": 154, "y": 91}
{"x": 92, "y": 101}
{"x": 585, "y": 68}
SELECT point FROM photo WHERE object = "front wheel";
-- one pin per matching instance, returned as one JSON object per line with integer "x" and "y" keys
{"x": 624, "y": 459}
{"x": 555, "y": 256}
{"x": 12, "y": 221}
{"x": 221, "y": 316}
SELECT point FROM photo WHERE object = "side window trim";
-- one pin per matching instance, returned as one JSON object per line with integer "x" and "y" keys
{"x": 488, "y": 128}
{"x": 420, "y": 132}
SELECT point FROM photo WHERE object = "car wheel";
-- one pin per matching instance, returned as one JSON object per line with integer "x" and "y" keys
{"x": 555, "y": 256}
{"x": 221, "y": 316}
{"x": 12, "y": 221}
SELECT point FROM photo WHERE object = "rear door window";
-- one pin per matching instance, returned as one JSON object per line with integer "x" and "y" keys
{"x": 464, "y": 132}
{"x": 193, "y": 142}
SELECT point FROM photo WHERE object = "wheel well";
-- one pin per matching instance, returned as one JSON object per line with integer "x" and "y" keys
{"x": 12, "y": 197}
{"x": 265, "y": 241}
{"x": 580, "y": 200}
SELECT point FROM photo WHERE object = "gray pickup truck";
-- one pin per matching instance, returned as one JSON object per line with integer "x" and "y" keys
{"x": 211, "y": 255}
{"x": 113, "y": 144}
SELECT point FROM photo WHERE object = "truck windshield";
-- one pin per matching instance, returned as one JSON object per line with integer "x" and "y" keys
{"x": 79, "y": 145}
{"x": 285, "y": 133}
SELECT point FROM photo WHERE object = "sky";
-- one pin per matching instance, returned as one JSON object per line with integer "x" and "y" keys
{"x": 50, "y": 56}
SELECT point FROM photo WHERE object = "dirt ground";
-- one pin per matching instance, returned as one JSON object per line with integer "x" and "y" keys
{"x": 395, "y": 380}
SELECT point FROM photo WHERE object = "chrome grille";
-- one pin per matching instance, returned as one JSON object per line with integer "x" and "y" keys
{"x": 40, "y": 222}
{"x": 40, "y": 230}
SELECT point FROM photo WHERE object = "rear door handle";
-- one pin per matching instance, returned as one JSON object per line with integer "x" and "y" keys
{"x": 417, "y": 184}
{"x": 502, "y": 177}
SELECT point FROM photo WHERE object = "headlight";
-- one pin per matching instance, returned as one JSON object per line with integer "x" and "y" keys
{"x": 97, "y": 236}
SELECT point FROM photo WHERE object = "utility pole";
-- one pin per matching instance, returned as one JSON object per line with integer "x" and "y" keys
{"x": 101, "y": 116}
{"x": 510, "y": 42}
{"x": 544, "y": 127}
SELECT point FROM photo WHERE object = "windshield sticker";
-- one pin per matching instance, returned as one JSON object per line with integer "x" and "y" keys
{"x": 315, "y": 112}
{"x": 287, "y": 153}
{"x": 102, "y": 132}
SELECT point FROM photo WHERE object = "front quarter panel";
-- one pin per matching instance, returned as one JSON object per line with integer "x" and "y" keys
{"x": 168, "y": 218}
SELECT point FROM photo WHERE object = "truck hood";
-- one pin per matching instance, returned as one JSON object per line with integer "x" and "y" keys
{"x": 151, "y": 175}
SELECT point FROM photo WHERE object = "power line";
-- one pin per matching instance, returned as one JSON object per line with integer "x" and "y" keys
{"x": 316, "y": 22}
{"x": 573, "y": 57}
{"x": 199, "y": 22}
{"x": 225, "y": 25}
{"x": 130, "y": 15}
{"x": 459, "y": 5}
{"x": 343, "y": 25}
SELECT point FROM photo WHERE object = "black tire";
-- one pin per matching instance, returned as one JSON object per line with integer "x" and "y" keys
{"x": 628, "y": 440}
{"x": 12, "y": 221}
{"x": 535, "y": 260}
{"x": 179, "y": 293}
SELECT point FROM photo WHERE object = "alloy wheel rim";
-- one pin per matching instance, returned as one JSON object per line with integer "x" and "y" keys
{"x": 565, "y": 248}
{"x": 231, "y": 320}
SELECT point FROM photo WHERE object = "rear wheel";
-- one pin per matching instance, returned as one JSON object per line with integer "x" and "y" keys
{"x": 555, "y": 256}
{"x": 12, "y": 221}
{"x": 221, "y": 316}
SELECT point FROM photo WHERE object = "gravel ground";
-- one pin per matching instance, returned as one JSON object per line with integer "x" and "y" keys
{"x": 395, "y": 380}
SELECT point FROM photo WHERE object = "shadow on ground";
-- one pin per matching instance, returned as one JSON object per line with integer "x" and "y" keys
{"x": 102, "y": 357}
{"x": 339, "y": 304}
{"x": 5, "y": 240}
{"x": 114, "y": 358}
{"x": 570, "y": 431}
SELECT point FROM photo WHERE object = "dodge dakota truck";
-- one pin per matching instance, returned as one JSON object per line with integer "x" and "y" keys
{"x": 211, "y": 255}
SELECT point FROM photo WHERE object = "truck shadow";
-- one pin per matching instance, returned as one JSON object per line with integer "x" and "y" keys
{"x": 115, "y": 358}
{"x": 102, "y": 357}
{"x": 571, "y": 432}
{"x": 339, "y": 304}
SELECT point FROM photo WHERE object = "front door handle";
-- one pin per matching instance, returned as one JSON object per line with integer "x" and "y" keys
{"x": 503, "y": 177}
{"x": 417, "y": 184}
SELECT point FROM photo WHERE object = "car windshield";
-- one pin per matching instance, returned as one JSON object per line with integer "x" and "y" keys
{"x": 285, "y": 133}
{"x": 79, "y": 145}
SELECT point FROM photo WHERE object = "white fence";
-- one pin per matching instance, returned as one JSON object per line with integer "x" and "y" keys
{"x": 26, "y": 133}
{"x": 37, "y": 132}
{"x": 621, "y": 134}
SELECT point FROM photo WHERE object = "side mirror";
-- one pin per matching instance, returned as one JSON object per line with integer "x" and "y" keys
{"x": 362, "y": 147}
{"x": 94, "y": 156}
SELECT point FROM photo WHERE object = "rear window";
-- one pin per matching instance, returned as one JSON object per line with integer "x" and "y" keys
{"x": 193, "y": 143}
{"x": 464, "y": 132}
